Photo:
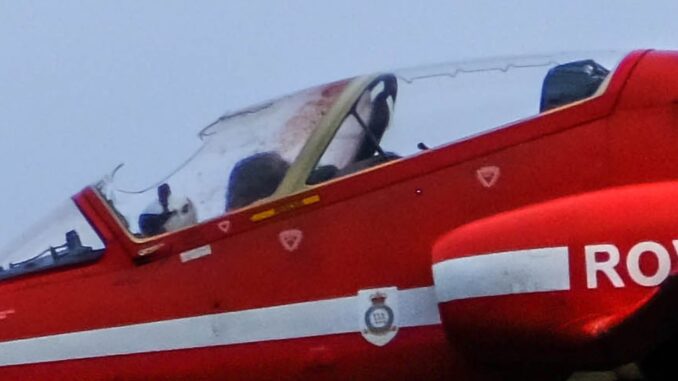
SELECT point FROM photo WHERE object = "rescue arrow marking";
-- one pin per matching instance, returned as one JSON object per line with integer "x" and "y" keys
{"x": 224, "y": 226}
{"x": 291, "y": 239}
{"x": 488, "y": 176}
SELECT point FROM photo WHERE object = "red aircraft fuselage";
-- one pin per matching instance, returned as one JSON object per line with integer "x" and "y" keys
{"x": 544, "y": 247}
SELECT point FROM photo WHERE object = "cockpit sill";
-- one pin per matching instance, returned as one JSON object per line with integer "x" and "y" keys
{"x": 372, "y": 179}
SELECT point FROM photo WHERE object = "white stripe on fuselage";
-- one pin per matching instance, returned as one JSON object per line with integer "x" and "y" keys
{"x": 417, "y": 307}
{"x": 506, "y": 273}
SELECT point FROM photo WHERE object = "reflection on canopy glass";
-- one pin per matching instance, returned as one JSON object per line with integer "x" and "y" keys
{"x": 62, "y": 238}
{"x": 219, "y": 177}
{"x": 327, "y": 132}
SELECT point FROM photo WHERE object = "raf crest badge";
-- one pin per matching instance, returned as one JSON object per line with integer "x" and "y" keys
{"x": 378, "y": 314}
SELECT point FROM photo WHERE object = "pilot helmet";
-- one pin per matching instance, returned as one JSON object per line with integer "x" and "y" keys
{"x": 167, "y": 213}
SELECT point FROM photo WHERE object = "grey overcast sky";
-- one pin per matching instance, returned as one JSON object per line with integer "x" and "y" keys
{"x": 85, "y": 85}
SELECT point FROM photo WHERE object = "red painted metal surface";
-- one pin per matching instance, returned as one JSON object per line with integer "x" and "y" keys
{"x": 571, "y": 177}
{"x": 572, "y": 325}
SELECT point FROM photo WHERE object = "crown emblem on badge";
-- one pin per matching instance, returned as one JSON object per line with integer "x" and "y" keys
{"x": 378, "y": 298}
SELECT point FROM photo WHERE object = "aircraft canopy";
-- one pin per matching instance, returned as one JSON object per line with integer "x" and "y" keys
{"x": 302, "y": 140}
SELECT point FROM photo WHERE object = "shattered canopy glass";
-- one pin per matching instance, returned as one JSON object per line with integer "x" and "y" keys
{"x": 349, "y": 126}
{"x": 449, "y": 102}
{"x": 262, "y": 139}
